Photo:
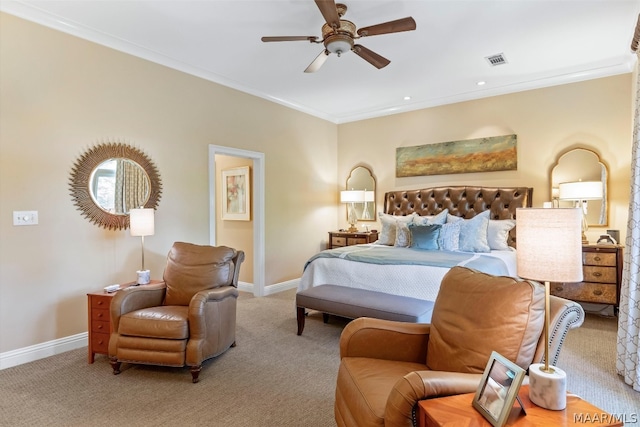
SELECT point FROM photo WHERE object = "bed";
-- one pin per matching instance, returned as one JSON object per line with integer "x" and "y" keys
{"x": 424, "y": 233}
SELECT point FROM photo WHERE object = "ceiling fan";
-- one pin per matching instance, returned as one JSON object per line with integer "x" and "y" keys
{"x": 339, "y": 35}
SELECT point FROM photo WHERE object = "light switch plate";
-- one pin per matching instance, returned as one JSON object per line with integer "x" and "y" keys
{"x": 25, "y": 217}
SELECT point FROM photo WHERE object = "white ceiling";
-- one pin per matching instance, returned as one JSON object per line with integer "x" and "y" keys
{"x": 545, "y": 43}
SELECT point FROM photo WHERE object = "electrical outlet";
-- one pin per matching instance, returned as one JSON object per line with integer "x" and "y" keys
{"x": 25, "y": 217}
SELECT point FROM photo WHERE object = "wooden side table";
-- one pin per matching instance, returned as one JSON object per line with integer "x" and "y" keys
{"x": 99, "y": 320}
{"x": 338, "y": 239}
{"x": 457, "y": 411}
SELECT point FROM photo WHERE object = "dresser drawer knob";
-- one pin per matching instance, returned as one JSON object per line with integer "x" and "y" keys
{"x": 99, "y": 315}
{"x": 597, "y": 274}
{"x": 559, "y": 288}
{"x": 597, "y": 258}
{"x": 597, "y": 292}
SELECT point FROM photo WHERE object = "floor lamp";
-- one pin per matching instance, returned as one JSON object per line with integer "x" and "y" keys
{"x": 549, "y": 250}
{"x": 141, "y": 223}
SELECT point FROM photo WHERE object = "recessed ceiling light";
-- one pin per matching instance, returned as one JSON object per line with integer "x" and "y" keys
{"x": 407, "y": 98}
{"x": 481, "y": 83}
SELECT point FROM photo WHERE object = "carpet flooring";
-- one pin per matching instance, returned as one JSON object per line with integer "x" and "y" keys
{"x": 272, "y": 378}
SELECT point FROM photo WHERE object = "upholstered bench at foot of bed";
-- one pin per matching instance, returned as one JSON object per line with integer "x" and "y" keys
{"x": 353, "y": 303}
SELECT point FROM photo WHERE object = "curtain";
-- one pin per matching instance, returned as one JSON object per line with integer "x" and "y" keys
{"x": 628, "y": 341}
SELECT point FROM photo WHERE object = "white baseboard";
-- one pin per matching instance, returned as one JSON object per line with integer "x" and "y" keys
{"x": 270, "y": 289}
{"x": 17, "y": 357}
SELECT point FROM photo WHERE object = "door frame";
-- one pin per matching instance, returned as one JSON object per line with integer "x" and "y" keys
{"x": 257, "y": 188}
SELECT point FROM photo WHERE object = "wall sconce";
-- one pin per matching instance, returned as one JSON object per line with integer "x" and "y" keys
{"x": 580, "y": 192}
{"x": 141, "y": 223}
{"x": 549, "y": 250}
{"x": 352, "y": 197}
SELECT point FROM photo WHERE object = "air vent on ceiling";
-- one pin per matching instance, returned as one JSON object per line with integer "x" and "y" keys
{"x": 497, "y": 59}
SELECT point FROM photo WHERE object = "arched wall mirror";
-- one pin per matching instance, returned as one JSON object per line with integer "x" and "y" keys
{"x": 581, "y": 164}
{"x": 111, "y": 178}
{"x": 362, "y": 179}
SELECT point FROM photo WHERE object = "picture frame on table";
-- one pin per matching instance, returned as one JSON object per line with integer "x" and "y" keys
{"x": 236, "y": 194}
{"x": 498, "y": 389}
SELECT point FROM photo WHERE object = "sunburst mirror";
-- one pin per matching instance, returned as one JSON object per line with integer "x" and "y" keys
{"x": 111, "y": 178}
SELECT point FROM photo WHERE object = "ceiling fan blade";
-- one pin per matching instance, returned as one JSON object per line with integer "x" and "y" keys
{"x": 317, "y": 63}
{"x": 312, "y": 39}
{"x": 397, "y": 26}
{"x": 329, "y": 12}
{"x": 370, "y": 56}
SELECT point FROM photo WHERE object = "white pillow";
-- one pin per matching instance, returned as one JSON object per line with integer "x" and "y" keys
{"x": 498, "y": 233}
{"x": 388, "y": 233}
{"x": 440, "y": 218}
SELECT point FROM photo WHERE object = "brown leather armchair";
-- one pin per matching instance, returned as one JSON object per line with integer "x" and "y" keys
{"x": 186, "y": 320}
{"x": 386, "y": 367}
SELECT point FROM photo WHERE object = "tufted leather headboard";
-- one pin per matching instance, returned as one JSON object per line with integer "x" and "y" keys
{"x": 462, "y": 201}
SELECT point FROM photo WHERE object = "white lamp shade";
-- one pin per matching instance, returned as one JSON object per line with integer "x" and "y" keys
{"x": 581, "y": 190}
{"x": 368, "y": 196}
{"x": 141, "y": 222}
{"x": 352, "y": 196}
{"x": 549, "y": 244}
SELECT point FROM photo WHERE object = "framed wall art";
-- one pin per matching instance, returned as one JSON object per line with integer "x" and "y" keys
{"x": 498, "y": 389}
{"x": 236, "y": 194}
{"x": 490, "y": 154}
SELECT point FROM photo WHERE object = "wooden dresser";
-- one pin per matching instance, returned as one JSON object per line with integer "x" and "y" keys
{"x": 99, "y": 320}
{"x": 338, "y": 239}
{"x": 602, "y": 271}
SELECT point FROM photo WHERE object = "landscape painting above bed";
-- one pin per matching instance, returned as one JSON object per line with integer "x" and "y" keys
{"x": 424, "y": 234}
{"x": 490, "y": 154}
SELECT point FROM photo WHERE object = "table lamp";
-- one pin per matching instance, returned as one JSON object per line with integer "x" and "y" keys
{"x": 141, "y": 223}
{"x": 368, "y": 197}
{"x": 581, "y": 192}
{"x": 549, "y": 250}
{"x": 352, "y": 197}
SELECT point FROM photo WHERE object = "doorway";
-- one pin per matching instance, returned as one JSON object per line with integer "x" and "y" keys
{"x": 257, "y": 189}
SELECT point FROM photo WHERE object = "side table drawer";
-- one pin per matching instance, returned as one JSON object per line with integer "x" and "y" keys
{"x": 598, "y": 258}
{"x": 100, "y": 342}
{"x": 101, "y": 301}
{"x": 101, "y": 326}
{"x": 100, "y": 315}
{"x": 338, "y": 241}
{"x": 585, "y": 291}
{"x": 599, "y": 274}
{"x": 356, "y": 241}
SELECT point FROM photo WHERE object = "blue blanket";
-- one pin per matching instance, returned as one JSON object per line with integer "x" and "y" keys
{"x": 380, "y": 254}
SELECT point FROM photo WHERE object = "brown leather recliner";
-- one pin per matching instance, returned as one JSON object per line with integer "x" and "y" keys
{"x": 386, "y": 367}
{"x": 186, "y": 320}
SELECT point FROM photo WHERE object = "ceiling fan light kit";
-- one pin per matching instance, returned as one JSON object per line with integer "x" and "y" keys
{"x": 338, "y": 35}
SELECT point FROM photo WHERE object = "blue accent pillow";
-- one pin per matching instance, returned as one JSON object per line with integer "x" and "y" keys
{"x": 425, "y": 236}
{"x": 473, "y": 234}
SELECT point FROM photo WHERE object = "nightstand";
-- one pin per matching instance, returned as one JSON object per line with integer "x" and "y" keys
{"x": 602, "y": 277}
{"x": 99, "y": 320}
{"x": 338, "y": 239}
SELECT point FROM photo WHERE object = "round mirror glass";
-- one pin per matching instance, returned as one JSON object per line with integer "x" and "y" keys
{"x": 581, "y": 164}
{"x": 362, "y": 179}
{"x": 118, "y": 185}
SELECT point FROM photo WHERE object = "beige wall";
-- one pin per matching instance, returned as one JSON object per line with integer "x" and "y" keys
{"x": 58, "y": 96}
{"x": 593, "y": 114}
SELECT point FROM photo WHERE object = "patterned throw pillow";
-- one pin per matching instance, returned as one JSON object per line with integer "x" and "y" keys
{"x": 389, "y": 232}
{"x": 473, "y": 233}
{"x": 440, "y": 218}
{"x": 449, "y": 237}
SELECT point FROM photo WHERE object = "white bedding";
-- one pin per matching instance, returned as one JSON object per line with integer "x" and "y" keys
{"x": 417, "y": 281}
